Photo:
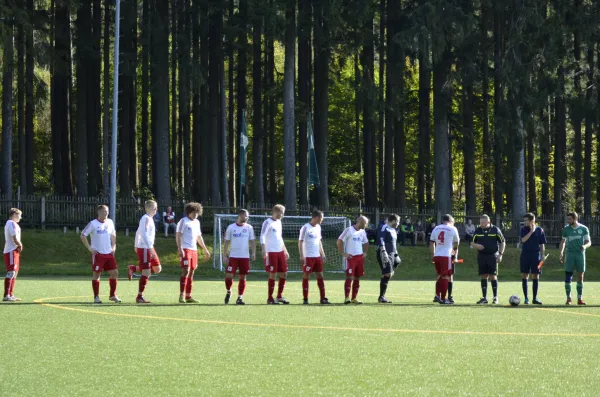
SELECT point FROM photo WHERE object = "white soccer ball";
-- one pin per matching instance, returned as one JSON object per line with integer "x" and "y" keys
{"x": 514, "y": 300}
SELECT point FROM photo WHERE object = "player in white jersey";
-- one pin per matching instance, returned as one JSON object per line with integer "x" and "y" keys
{"x": 148, "y": 261}
{"x": 443, "y": 247}
{"x": 312, "y": 256}
{"x": 275, "y": 254}
{"x": 12, "y": 253}
{"x": 103, "y": 247}
{"x": 239, "y": 240}
{"x": 353, "y": 245}
{"x": 188, "y": 236}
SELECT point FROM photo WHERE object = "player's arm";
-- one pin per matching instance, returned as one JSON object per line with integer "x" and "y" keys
{"x": 587, "y": 243}
{"x": 432, "y": 249}
{"x": 200, "y": 241}
{"x": 15, "y": 239}
{"x": 253, "y": 247}
{"x": 501, "y": 246}
{"x": 178, "y": 237}
{"x": 474, "y": 244}
{"x": 263, "y": 236}
{"x": 146, "y": 236}
{"x": 340, "y": 245}
{"x": 301, "y": 244}
{"x": 84, "y": 233}
{"x": 225, "y": 250}
{"x": 525, "y": 237}
{"x": 365, "y": 244}
{"x": 381, "y": 243}
{"x": 322, "y": 251}
{"x": 113, "y": 241}
{"x": 561, "y": 249}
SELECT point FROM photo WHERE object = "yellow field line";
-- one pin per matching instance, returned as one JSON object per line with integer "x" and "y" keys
{"x": 575, "y": 313}
{"x": 319, "y": 327}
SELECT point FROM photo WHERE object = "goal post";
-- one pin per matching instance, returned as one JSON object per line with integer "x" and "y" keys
{"x": 331, "y": 228}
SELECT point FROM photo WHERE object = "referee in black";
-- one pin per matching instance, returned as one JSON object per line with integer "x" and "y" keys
{"x": 387, "y": 253}
{"x": 490, "y": 244}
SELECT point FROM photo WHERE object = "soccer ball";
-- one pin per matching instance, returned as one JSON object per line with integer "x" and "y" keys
{"x": 514, "y": 300}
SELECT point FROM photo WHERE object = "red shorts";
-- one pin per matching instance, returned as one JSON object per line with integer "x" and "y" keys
{"x": 312, "y": 265}
{"x": 103, "y": 262}
{"x": 243, "y": 264}
{"x": 190, "y": 258}
{"x": 443, "y": 265}
{"x": 276, "y": 262}
{"x": 12, "y": 261}
{"x": 147, "y": 258}
{"x": 355, "y": 266}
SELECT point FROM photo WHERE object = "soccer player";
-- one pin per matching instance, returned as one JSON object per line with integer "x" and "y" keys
{"x": 353, "y": 245}
{"x": 576, "y": 238}
{"x": 444, "y": 242}
{"x": 490, "y": 244}
{"x": 188, "y": 235}
{"x": 275, "y": 254}
{"x": 12, "y": 253}
{"x": 148, "y": 261}
{"x": 534, "y": 247}
{"x": 103, "y": 247}
{"x": 312, "y": 256}
{"x": 387, "y": 253}
{"x": 238, "y": 236}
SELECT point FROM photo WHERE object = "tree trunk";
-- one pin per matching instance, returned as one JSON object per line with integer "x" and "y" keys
{"x": 289, "y": 119}
{"x": 381, "y": 165}
{"x": 232, "y": 153}
{"x": 468, "y": 142}
{"x": 368, "y": 93}
{"x": 29, "y": 101}
{"x": 322, "y": 54}
{"x": 519, "y": 200}
{"x": 560, "y": 143}
{"x": 271, "y": 121}
{"x": 106, "y": 101}
{"x": 222, "y": 123}
{"x": 589, "y": 133}
{"x": 205, "y": 120}
{"x": 391, "y": 103}
{"x": 257, "y": 127}
{"x": 20, "y": 41}
{"x": 531, "y": 188}
{"x": 93, "y": 101}
{"x": 304, "y": 51}
{"x": 545, "y": 159}
{"x": 145, "y": 92}
{"x": 242, "y": 87}
{"x": 423, "y": 161}
{"x": 176, "y": 11}
{"x": 196, "y": 77}
{"x": 7, "y": 108}
{"x": 184, "y": 47}
{"x": 576, "y": 112}
{"x": 215, "y": 43}
{"x": 485, "y": 117}
{"x": 498, "y": 158}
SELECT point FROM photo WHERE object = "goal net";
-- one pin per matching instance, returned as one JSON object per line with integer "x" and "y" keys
{"x": 331, "y": 228}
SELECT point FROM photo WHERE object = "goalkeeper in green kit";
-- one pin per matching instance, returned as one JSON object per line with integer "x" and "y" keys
{"x": 576, "y": 238}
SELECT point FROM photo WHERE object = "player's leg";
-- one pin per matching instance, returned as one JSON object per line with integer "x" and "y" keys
{"x": 230, "y": 271}
{"x": 525, "y": 268}
{"x": 16, "y": 266}
{"x": 569, "y": 269}
{"x": 580, "y": 288}
{"x": 112, "y": 282}
{"x": 359, "y": 271}
{"x": 494, "y": 282}
{"x": 305, "y": 282}
{"x": 282, "y": 272}
{"x": 241, "y": 289}
{"x": 190, "y": 282}
{"x": 450, "y": 287}
{"x": 270, "y": 267}
{"x": 484, "y": 276}
{"x": 321, "y": 285}
{"x": 386, "y": 275}
{"x": 11, "y": 274}
{"x": 96, "y": 286}
{"x": 185, "y": 274}
{"x": 349, "y": 278}
{"x": 535, "y": 278}
{"x": 146, "y": 272}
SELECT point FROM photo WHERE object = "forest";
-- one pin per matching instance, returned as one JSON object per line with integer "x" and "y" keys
{"x": 447, "y": 105}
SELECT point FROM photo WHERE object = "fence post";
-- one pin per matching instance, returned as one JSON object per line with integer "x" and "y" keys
{"x": 43, "y": 212}
{"x": 498, "y": 220}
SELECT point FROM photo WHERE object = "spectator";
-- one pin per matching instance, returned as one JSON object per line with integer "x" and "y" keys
{"x": 169, "y": 221}
{"x": 469, "y": 232}
{"x": 420, "y": 232}
{"x": 407, "y": 230}
{"x": 430, "y": 228}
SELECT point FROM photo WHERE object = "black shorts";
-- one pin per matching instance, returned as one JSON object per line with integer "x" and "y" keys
{"x": 385, "y": 267}
{"x": 530, "y": 261}
{"x": 487, "y": 264}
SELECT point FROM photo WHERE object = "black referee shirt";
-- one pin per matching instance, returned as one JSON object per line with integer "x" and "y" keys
{"x": 490, "y": 239}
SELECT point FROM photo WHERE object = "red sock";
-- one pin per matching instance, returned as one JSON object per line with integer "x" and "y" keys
{"x": 13, "y": 281}
{"x": 143, "y": 282}
{"x": 443, "y": 287}
{"x": 188, "y": 287}
{"x": 271, "y": 288}
{"x": 242, "y": 287}
{"x": 347, "y": 287}
{"x": 113, "y": 286}
{"x": 355, "y": 288}
{"x": 96, "y": 287}
{"x": 321, "y": 285}
{"x": 305, "y": 288}
{"x": 7, "y": 286}
{"x": 182, "y": 282}
{"x": 280, "y": 287}
{"x": 228, "y": 283}
{"x": 438, "y": 287}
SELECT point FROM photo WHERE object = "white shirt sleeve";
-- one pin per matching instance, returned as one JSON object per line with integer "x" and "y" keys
{"x": 180, "y": 226}
{"x": 263, "y": 232}
{"x": 11, "y": 229}
{"x": 343, "y": 235}
{"x": 365, "y": 240}
{"x": 87, "y": 230}
{"x": 228, "y": 233}
{"x": 251, "y": 231}
{"x": 302, "y": 233}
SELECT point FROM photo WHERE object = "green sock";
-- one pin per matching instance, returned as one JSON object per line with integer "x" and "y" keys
{"x": 579, "y": 289}
{"x": 568, "y": 289}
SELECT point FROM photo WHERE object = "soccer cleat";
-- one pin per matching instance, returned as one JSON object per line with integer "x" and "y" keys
{"x": 347, "y": 301}
{"x": 356, "y": 302}
{"x": 141, "y": 299}
{"x": 181, "y": 299}
{"x": 130, "y": 271}
{"x": 283, "y": 300}
{"x": 383, "y": 299}
{"x": 450, "y": 299}
{"x": 191, "y": 300}
{"x": 437, "y": 299}
{"x": 240, "y": 301}
{"x": 227, "y": 297}
{"x": 482, "y": 301}
{"x": 115, "y": 299}
{"x": 15, "y": 298}
{"x": 581, "y": 302}
{"x": 569, "y": 301}
{"x": 272, "y": 301}
{"x": 537, "y": 302}
{"x": 305, "y": 302}
{"x": 448, "y": 302}
{"x": 9, "y": 299}
{"x": 526, "y": 301}
{"x": 325, "y": 301}
{"x": 97, "y": 300}
{"x": 495, "y": 300}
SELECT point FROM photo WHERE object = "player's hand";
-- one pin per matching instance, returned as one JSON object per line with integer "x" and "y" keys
{"x": 253, "y": 257}
{"x": 287, "y": 255}
{"x": 347, "y": 256}
{"x": 206, "y": 254}
{"x": 225, "y": 259}
{"x": 324, "y": 258}
{"x": 302, "y": 260}
{"x": 93, "y": 251}
{"x": 499, "y": 259}
{"x": 582, "y": 248}
{"x": 264, "y": 256}
{"x": 181, "y": 253}
{"x": 20, "y": 248}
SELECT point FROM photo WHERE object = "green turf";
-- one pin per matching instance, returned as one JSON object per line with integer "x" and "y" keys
{"x": 413, "y": 347}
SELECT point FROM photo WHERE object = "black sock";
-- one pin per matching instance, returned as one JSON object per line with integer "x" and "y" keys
{"x": 495, "y": 287}
{"x": 524, "y": 282}
{"x": 535, "y": 287}
{"x": 383, "y": 284}
{"x": 484, "y": 288}
{"x": 450, "y": 288}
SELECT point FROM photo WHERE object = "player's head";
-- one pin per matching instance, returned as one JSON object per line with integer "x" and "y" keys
{"x": 193, "y": 210}
{"x": 407, "y": 220}
{"x": 14, "y": 214}
{"x": 572, "y": 218}
{"x": 169, "y": 209}
{"x": 362, "y": 222}
{"x": 393, "y": 220}
{"x": 102, "y": 211}
{"x": 243, "y": 216}
{"x": 484, "y": 221}
{"x": 448, "y": 219}
{"x": 317, "y": 217}
{"x": 151, "y": 207}
{"x": 528, "y": 219}
{"x": 470, "y": 221}
{"x": 278, "y": 211}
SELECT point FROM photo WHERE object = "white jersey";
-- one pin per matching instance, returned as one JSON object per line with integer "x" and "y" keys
{"x": 239, "y": 236}
{"x": 146, "y": 232}
{"x": 444, "y": 237}
{"x": 11, "y": 229}
{"x": 271, "y": 235}
{"x": 190, "y": 231}
{"x": 353, "y": 240}
{"x": 100, "y": 233}
{"x": 311, "y": 237}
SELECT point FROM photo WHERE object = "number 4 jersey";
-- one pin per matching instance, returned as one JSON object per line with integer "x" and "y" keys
{"x": 444, "y": 237}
